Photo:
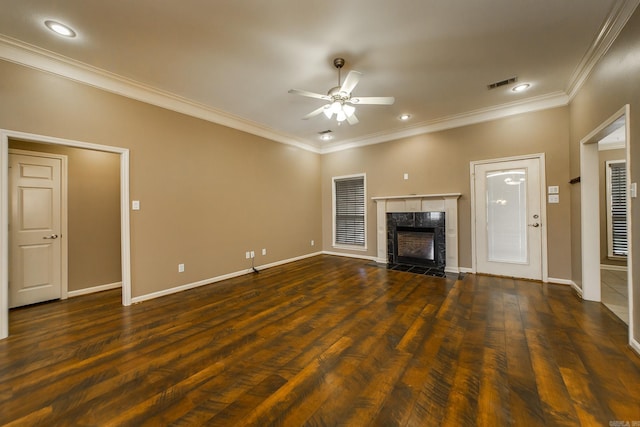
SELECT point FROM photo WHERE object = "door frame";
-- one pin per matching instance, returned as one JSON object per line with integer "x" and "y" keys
{"x": 125, "y": 237}
{"x": 590, "y": 212}
{"x": 64, "y": 242}
{"x": 543, "y": 207}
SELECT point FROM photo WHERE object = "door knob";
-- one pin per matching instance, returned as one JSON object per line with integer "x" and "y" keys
{"x": 53, "y": 236}
{"x": 534, "y": 225}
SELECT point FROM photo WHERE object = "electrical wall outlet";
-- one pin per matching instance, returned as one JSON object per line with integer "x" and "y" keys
{"x": 248, "y": 254}
{"x": 180, "y": 268}
{"x": 253, "y": 254}
{"x": 264, "y": 251}
{"x": 313, "y": 243}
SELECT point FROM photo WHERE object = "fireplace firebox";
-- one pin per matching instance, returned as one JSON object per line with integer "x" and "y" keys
{"x": 416, "y": 242}
{"x": 415, "y": 245}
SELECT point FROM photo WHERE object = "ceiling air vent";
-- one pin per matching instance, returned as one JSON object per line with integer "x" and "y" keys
{"x": 325, "y": 135}
{"x": 502, "y": 83}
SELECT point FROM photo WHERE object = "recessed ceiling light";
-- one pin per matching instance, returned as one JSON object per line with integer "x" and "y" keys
{"x": 521, "y": 87}
{"x": 60, "y": 29}
{"x": 404, "y": 117}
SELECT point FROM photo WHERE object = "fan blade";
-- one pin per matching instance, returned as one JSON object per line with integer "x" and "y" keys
{"x": 353, "y": 120}
{"x": 351, "y": 81}
{"x": 378, "y": 100}
{"x": 315, "y": 112}
{"x": 309, "y": 94}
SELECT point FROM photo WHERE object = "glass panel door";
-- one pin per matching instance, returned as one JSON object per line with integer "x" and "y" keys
{"x": 507, "y": 216}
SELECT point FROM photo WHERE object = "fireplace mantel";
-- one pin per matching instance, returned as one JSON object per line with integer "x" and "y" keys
{"x": 447, "y": 203}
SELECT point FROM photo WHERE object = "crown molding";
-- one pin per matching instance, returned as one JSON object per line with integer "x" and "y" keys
{"x": 21, "y": 53}
{"x": 611, "y": 28}
{"x": 18, "y": 52}
{"x": 553, "y": 100}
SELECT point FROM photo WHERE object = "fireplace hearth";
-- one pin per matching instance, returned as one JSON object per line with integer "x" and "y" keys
{"x": 416, "y": 242}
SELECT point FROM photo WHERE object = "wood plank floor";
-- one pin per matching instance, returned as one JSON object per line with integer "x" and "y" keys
{"x": 321, "y": 342}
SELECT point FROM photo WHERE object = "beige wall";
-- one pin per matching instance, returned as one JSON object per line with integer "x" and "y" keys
{"x": 439, "y": 163}
{"x": 93, "y": 202}
{"x": 604, "y": 156}
{"x": 613, "y": 83}
{"x": 208, "y": 193}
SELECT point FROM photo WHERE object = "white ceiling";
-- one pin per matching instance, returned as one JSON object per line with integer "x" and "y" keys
{"x": 232, "y": 62}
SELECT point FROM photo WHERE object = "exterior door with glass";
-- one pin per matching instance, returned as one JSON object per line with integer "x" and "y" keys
{"x": 508, "y": 226}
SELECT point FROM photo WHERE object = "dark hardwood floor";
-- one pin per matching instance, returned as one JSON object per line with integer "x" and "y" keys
{"x": 324, "y": 341}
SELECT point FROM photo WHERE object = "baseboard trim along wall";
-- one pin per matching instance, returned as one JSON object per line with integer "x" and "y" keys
{"x": 577, "y": 288}
{"x": 365, "y": 257}
{"x": 212, "y": 280}
{"x": 561, "y": 282}
{"x": 613, "y": 267}
{"x": 94, "y": 289}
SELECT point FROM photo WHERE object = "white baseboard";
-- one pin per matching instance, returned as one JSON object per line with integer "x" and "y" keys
{"x": 560, "y": 281}
{"x": 466, "y": 270}
{"x": 613, "y": 267}
{"x": 577, "y": 288}
{"x": 367, "y": 257}
{"x": 94, "y": 289}
{"x": 212, "y": 280}
{"x": 635, "y": 345}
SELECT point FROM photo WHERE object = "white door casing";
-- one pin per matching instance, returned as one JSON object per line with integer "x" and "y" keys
{"x": 37, "y": 227}
{"x": 509, "y": 220}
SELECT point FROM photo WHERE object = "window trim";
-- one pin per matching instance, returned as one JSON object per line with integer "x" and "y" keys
{"x": 334, "y": 216}
{"x": 609, "y": 212}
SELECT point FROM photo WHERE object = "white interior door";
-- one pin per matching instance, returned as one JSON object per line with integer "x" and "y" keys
{"x": 35, "y": 261}
{"x": 508, "y": 228}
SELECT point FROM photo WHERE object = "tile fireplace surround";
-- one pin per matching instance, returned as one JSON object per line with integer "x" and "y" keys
{"x": 447, "y": 203}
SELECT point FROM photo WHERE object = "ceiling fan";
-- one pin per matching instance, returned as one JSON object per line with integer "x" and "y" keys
{"x": 341, "y": 102}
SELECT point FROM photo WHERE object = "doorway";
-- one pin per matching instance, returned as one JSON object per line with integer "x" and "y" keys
{"x": 590, "y": 213}
{"x": 508, "y": 217}
{"x": 123, "y": 153}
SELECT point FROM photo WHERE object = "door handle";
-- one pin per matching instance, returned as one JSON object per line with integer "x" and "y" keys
{"x": 534, "y": 225}
{"x": 53, "y": 236}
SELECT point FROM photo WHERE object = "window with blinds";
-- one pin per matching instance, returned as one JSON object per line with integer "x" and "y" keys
{"x": 617, "y": 208}
{"x": 349, "y": 209}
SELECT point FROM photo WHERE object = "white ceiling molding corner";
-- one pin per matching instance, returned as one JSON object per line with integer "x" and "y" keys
{"x": 615, "y": 22}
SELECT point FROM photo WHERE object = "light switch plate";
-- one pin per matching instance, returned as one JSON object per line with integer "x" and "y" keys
{"x": 553, "y": 189}
{"x": 633, "y": 191}
{"x": 554, "y": 198}
{"x": 135, "y": 205}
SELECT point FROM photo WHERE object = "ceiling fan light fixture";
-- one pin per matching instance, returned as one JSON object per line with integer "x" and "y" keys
{"x": 348, "y": 110}
{"x": 341, "y": 116}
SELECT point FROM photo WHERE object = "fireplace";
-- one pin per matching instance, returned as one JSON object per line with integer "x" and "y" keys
{"x": 444, "y": 205}
{"x": 416, "y": 241}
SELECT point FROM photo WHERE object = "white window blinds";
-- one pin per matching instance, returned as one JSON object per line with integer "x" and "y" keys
{"x": 349, "y": 211}
{"x": 617, "y": 208}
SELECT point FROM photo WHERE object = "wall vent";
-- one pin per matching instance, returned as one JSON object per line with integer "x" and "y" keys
{"x": 502, "y": 83}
